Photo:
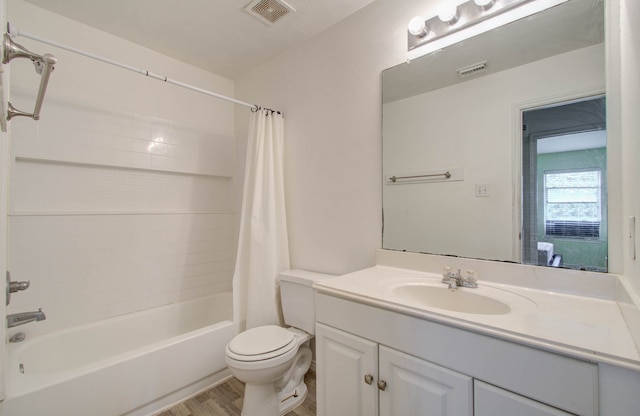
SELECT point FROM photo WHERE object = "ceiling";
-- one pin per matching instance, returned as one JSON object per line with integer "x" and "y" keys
{"x": 216, "y": 35}
{"x": 595, "y": 139}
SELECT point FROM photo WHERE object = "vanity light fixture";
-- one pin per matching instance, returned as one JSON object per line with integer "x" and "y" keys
{"x": 449, "y": 15}
{"x": 455, "y": 24}
{"x": 484, "y": 4}
{"x": 417, "y": 27}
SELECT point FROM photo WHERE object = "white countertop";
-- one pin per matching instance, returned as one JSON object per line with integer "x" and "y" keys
{"x": 584, "y": 327}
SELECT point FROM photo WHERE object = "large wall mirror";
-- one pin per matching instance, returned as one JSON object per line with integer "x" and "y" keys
{"x": 495, "y": 147}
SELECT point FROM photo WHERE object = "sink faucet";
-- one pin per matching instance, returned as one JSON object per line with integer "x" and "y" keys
{"x": 22, "y": 318}
{"x": 455, "y": 279}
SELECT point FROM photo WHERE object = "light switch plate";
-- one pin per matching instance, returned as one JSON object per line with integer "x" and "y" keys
{"x": 483, "y": 190}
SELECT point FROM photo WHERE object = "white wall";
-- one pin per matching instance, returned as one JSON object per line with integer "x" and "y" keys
{"x": 472, "y": 126}
{"x": 122, "y": 195}
{"x": 4, "y": 183}
{"x": 630, "y": 108}
{"x": 330, "y": 90}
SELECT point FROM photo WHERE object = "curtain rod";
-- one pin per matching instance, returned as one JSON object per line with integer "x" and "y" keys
{"x": 15, "y": 31}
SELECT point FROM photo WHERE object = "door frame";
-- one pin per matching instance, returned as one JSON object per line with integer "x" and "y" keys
{"x": 517, "y": 111}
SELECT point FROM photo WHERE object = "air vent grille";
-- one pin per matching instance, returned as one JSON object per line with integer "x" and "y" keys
{"x": 269, "y": 11}
{"x": 472, "y": 69}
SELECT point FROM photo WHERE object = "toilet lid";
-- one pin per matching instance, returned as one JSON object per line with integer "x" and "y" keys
{"x": 261, "y": 340}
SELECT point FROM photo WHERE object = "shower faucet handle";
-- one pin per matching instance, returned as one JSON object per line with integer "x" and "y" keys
{"x": 13, "y": 287}
{"x": 18, "y": 286}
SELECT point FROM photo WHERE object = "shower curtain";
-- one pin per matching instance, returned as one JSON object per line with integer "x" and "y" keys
{"x": 263, "y": 246}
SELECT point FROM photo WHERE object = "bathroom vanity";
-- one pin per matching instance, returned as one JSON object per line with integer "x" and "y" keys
{"x": 383, "y": 349}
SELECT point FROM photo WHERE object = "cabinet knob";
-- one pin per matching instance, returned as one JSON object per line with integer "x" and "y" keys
{"x": 382, "y": 385}
{"x": 368, "y": 378}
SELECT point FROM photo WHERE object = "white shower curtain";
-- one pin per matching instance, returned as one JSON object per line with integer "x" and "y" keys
{"x": 263, "y": 246}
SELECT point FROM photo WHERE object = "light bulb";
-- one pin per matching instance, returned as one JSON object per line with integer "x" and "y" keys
{"x": 484, "y": 4}
{"x": 449, "y": 14}
{"x": 417, "y": 27}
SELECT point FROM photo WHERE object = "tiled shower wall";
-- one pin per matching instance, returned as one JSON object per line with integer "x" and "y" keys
{"x": 122, "y": 196}
{"x": 139, "y": 217}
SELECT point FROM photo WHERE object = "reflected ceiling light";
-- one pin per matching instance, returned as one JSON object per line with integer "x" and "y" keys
{"x": 469, "y": 19}
{"x": 417, "y": 27}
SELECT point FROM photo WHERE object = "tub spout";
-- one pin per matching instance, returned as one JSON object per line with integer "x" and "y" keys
{"x": 22, "y": 318}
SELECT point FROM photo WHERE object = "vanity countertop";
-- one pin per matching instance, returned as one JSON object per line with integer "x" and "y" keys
{"x": 579, "y": 326}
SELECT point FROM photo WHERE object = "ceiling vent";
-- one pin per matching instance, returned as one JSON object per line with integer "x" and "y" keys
{"x": 269, "y": 11}
{"x": 472, "y": 69}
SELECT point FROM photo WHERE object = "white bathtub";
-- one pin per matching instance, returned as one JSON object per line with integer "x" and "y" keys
{"x": 135, "y": 364}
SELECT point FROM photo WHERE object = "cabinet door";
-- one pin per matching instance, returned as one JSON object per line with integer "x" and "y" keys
{"x": 416, "y": 387}
{"x": 346, "y": 368}
{"x": 491, "y": 401}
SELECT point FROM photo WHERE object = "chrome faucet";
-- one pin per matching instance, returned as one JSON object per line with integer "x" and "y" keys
{"x": 455, "y": 279}
{"x": 22, "y": 318}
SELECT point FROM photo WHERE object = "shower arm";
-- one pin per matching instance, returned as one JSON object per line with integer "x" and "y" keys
{"x": 44, "y": 65}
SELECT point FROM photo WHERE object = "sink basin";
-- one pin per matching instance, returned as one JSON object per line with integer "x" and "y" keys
{"x": 461, "y": 300}
{"x": 431, "y": 293}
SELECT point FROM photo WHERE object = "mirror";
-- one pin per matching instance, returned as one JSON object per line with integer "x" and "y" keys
{"x": 453, "y": 141}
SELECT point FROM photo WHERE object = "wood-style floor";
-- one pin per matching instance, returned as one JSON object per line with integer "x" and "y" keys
{"x": 226, "y": 400}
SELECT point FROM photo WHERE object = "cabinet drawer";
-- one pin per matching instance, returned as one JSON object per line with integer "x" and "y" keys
{"x": 491, "y": 401}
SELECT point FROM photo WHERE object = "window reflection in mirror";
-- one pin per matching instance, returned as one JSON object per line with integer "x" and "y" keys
{"x": 564, "y": 185}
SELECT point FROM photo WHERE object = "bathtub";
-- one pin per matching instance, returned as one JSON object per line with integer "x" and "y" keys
{"x": 131, "y": 365}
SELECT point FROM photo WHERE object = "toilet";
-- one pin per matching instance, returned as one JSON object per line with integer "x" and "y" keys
{"x": 272, "y": 360}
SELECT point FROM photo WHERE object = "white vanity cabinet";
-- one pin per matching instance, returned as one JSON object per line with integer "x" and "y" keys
{"x": 411, "y": 386}
{"x": 432, "y": 368}
{"x": 358, "y": 377}
{"x": 346, "y": 374}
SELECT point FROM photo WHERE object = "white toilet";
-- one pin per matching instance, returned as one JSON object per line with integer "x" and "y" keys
{"x": 272, "y": 360}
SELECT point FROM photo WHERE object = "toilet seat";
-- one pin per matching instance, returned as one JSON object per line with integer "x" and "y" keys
{"x": 261, "y": 343}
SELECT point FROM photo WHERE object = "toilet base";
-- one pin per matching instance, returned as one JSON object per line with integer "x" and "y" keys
{"x": 293, "y": 399}
{"x": 260, "y": 399}
{"x": 265, "y": 401}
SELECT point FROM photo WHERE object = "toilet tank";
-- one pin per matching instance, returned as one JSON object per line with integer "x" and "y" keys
{"x": 297, "y": 296}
